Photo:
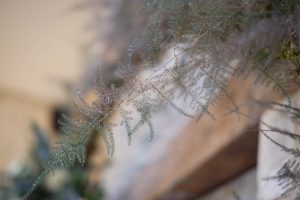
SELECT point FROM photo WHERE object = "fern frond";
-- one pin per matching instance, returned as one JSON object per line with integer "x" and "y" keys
{"x": 205, "y": 36}
{"x": 71, "y": 147}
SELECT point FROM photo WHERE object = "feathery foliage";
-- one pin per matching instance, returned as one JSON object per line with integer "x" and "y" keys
{"x": 211, "y": 41}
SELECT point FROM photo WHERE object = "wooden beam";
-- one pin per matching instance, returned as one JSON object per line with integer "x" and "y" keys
{"x": 232, "y": 160}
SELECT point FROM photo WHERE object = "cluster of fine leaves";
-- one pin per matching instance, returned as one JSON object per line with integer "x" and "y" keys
{"x": 209, "y": 42}
{"x": 71, "y": 146}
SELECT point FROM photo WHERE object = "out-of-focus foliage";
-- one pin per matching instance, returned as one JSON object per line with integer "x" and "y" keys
{"x": 72, "y": 184}
{"x": 211, "y": 41}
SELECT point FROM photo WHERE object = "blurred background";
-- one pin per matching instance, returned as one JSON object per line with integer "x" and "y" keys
{"x": 50, "y": 48}
{"x": 44, "y": 49}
